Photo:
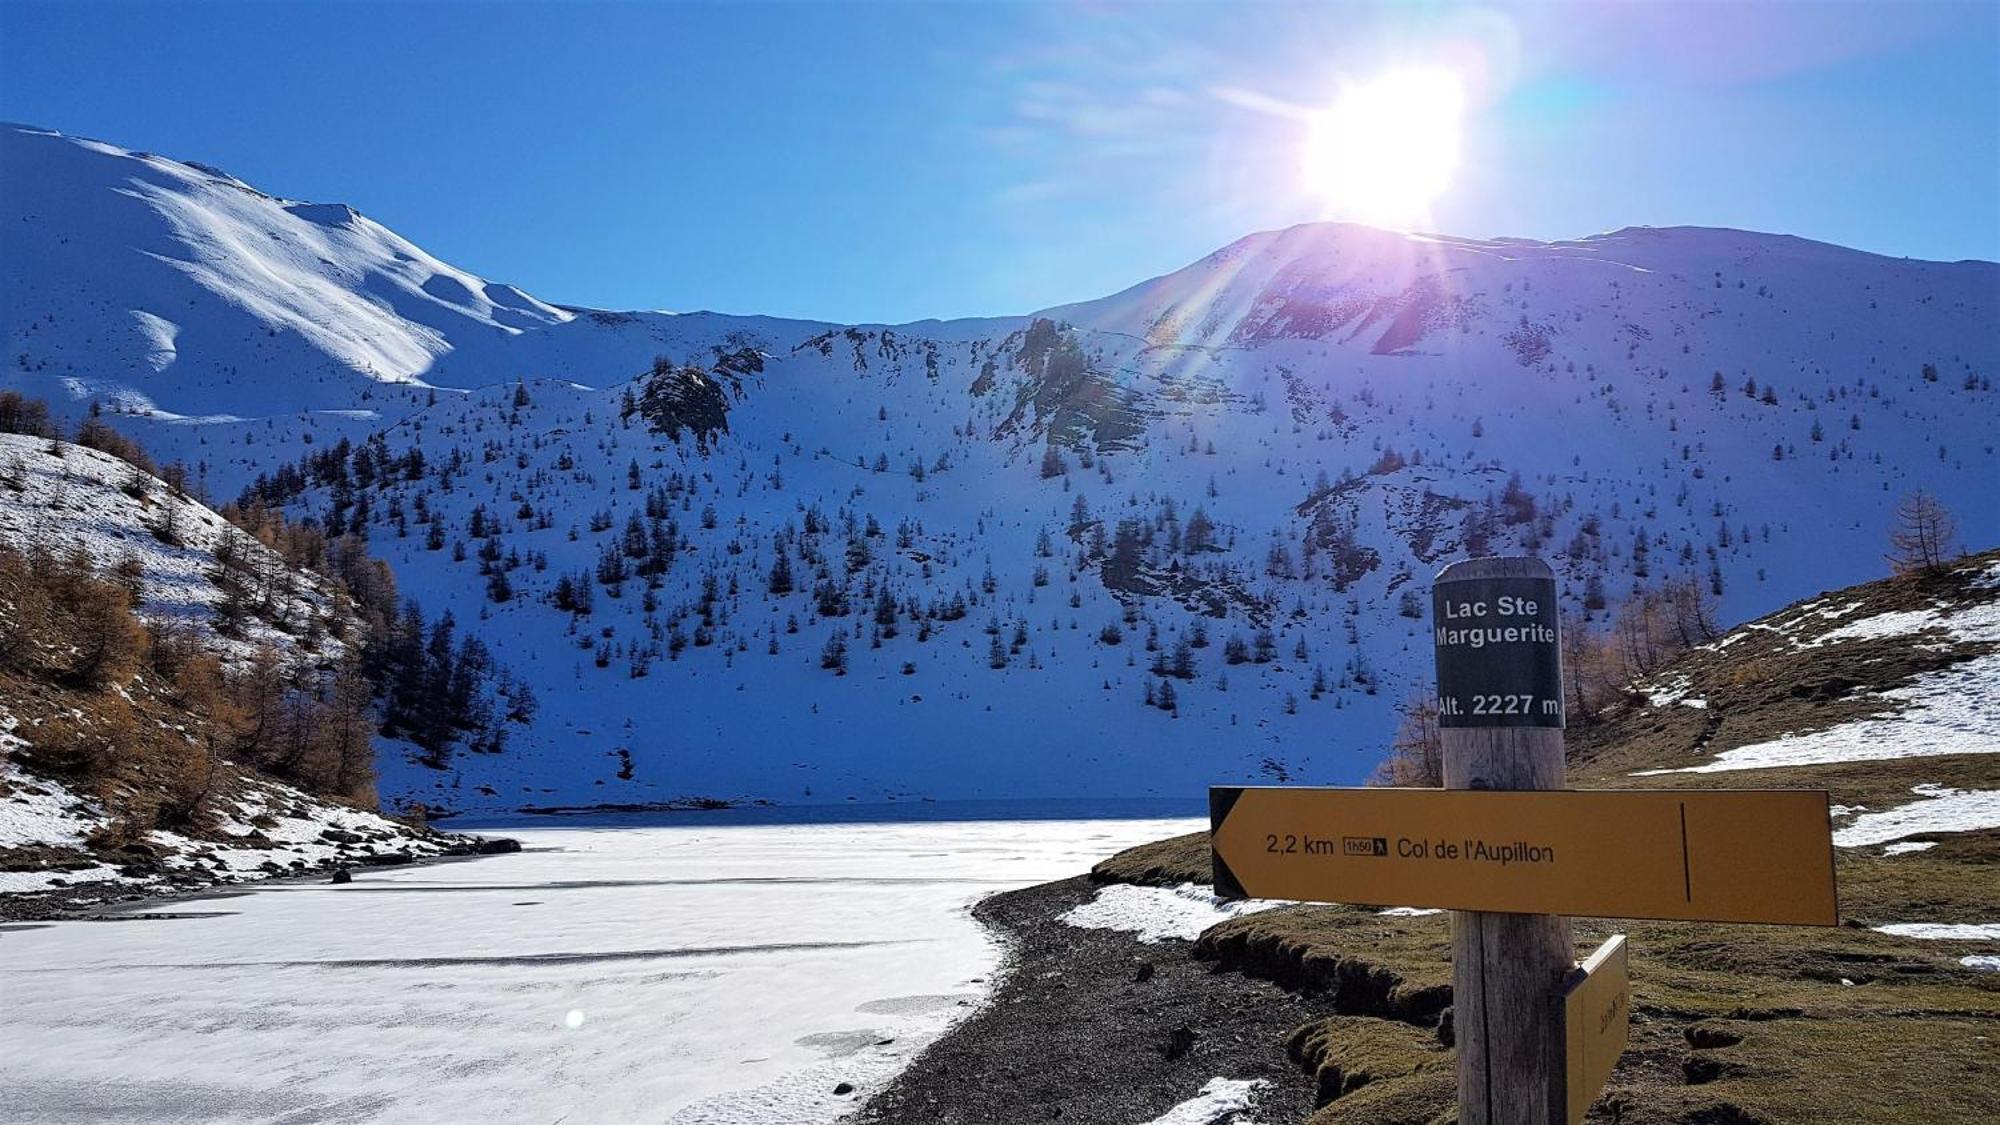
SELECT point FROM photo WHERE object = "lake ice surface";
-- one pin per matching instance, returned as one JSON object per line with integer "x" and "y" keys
{"x": 689, "y": 968}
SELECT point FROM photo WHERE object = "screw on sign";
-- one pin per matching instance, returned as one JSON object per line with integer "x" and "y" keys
{"x": 1513, "y": 854}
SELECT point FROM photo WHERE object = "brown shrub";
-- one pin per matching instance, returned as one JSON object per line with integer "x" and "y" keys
{"x": 1748, "y": 673}
{"x": 95, "y": 433}
{"x": 20, "y": 414}
{"x": 172, "y": 643}
{"x": 86, "y": 743}
{"x": 107, "y": 639}
{"x": 67, "y": 621}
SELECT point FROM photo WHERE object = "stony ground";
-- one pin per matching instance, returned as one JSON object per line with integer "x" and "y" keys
{"x": 146, "y": 883}
{"x": 1092, "y": 1026}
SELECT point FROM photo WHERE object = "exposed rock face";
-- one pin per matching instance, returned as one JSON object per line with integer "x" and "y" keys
{"x": 677, "y": 399}
{"x": 1067, "y": 399}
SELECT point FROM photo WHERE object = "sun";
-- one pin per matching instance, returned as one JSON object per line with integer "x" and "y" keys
{"x": 1387, "y": 148}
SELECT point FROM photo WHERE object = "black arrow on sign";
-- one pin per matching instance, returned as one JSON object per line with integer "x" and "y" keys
{"x": 1221, "y": 799}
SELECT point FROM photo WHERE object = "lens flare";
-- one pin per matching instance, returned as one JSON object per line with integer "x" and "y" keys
{"x": 1388, "y": 147}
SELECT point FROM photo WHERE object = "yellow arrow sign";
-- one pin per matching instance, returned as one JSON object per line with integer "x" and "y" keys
{"x": 1597, "y": 1019}
{"x": 1695, "y": 855}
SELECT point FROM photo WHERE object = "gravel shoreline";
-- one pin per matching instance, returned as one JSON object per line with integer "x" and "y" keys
{"x": 1094, "y": 1026}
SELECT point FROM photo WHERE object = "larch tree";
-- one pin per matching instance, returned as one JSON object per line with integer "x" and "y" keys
{"x": 1416, "y": 754}
{"x": 1923, "y": 536}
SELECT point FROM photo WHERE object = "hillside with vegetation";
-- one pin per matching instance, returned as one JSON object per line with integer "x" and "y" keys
{"x": 190, "y": 696}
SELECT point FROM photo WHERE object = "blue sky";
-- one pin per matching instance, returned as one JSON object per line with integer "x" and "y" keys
{"x": 896, "y": 161}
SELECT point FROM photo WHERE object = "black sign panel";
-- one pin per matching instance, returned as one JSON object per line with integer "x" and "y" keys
{"x": 1499, "y": 651}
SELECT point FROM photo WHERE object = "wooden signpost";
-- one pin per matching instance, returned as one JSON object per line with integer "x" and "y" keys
{"x": 1499, "y": 661}
{"x": 1513, "y": 854}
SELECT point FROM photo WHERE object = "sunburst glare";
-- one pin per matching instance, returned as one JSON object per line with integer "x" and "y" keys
{"x": 1387, "y": 148}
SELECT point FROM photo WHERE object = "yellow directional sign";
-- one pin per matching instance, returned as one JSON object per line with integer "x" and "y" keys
{"x": 1597, "y": 1018}
{"x": 1697, "y": 855}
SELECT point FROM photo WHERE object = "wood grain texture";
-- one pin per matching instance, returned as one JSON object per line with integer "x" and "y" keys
{"x": 1507, "y": 969}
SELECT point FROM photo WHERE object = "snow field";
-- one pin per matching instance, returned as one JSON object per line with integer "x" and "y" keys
{"x": 1952, "y": 711}
{"x": 1941, "y": 810}
{"x": 688, "y": 968}
{"x": 248, "y": 329}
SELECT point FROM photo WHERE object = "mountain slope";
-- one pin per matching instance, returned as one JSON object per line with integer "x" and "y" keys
{"x": 1889, "y": 691}
{"x": 159, "y": 285}
{"x": 1273, "y": 449}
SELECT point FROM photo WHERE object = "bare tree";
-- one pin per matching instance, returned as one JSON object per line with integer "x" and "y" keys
{"x": 1923, "y": 536}
{"x": 1584, "y": 656}
{"x": 1416, "y": 754}
{"x": 1691, "y": 609}
{"x": 1648, "y": 629}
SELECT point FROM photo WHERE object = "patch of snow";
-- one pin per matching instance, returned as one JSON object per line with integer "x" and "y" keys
{"x": 42, "y": 812}
{"x": 1674, "y": 690}
{"x": 1155, "y": 914}
{"x": 1217, "y": 1102}
{"x": 1985, "y": 963}
{"x": 1944, "y": 931}
{"x": 1671, "y": 692}
{"x": 1409, "y": 911}
{"x": 296, "y": 839}
{"x": 36, "y": 811}
{"x": 1976, "y": 623}
{"x": 1955, "y": 710}
{"x": 1909, "y": 846}
{"x": 30, "y": 882}
{"x": 1959, "y": 622}
{"x": 1941, "y": 810}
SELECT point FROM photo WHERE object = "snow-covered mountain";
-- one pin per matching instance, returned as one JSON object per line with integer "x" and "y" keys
{"x": 1008, "y": 523}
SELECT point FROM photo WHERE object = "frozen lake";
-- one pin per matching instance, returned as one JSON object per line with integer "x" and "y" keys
{"x": 688, "y": 968}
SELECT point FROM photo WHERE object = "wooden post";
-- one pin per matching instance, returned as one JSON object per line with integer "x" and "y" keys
{"x": 1496, "y": 732}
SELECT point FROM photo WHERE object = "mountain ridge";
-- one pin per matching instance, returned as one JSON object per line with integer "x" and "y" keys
{"x": 520, "y": 312}
{"x": 1342, "y": 411}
